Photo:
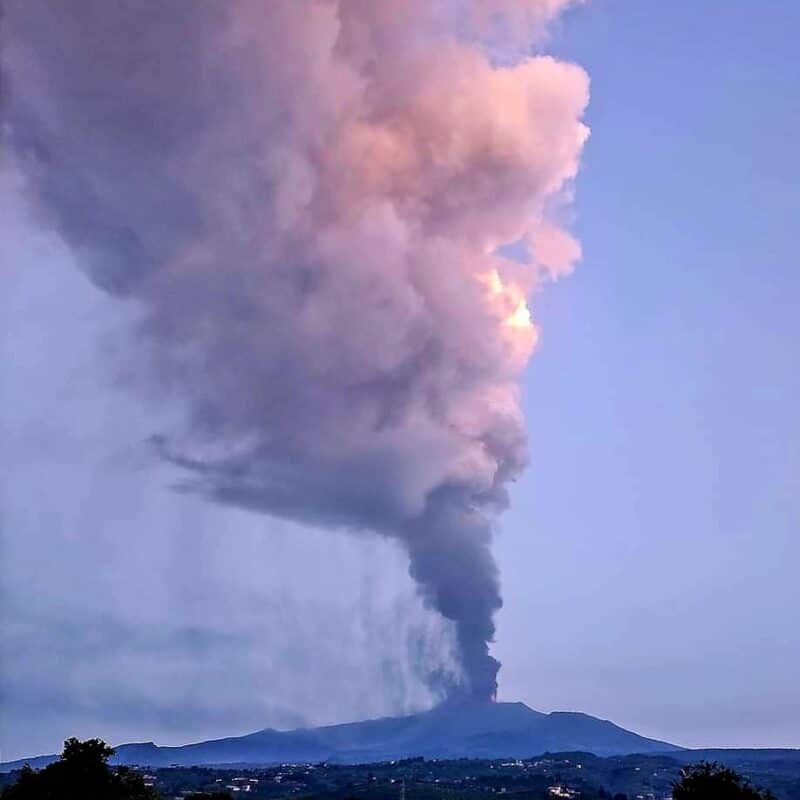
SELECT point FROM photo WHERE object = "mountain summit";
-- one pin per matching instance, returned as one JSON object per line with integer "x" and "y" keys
{"x": 468, "y": 730}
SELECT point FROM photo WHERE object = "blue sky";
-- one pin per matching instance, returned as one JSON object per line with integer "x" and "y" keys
{"x": 649, "y": 559}
{"x": 661, "y": 513}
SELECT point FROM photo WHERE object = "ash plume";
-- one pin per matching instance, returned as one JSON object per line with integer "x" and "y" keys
{"x": 305, "y": 199}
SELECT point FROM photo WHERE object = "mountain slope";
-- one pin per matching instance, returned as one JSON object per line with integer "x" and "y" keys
{"x": 481, "y": 730}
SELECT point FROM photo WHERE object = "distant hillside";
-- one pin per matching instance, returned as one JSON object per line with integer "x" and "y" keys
{"x": 484, "y": 730}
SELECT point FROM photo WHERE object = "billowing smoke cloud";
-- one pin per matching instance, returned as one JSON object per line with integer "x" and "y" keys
{"x": 306, "y": 201}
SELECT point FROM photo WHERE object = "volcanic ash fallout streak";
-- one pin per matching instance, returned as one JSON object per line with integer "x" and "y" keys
{"x": 308, "y": 201}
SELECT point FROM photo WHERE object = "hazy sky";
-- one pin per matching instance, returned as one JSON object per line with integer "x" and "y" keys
{"x": 649, "y": 562}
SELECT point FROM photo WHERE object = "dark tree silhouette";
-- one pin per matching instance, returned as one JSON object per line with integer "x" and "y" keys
{"x": 712, "y": 781}
{"x": 81, "y": 773}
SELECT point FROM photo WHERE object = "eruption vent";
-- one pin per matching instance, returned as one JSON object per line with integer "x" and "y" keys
{"x": 305, "y": 199}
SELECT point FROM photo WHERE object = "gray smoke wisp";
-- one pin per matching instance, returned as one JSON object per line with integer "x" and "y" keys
{"x": 305, "y": 201}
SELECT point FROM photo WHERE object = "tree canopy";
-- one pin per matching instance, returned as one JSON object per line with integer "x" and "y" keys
{"x": 712, "y": 781}
{"x": 81, "y": 773}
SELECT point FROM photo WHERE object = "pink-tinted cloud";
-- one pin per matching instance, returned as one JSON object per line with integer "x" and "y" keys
{"x": 305, "y": 199}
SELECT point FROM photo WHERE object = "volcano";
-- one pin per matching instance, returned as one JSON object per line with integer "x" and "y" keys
{"x": 463, "y": 730}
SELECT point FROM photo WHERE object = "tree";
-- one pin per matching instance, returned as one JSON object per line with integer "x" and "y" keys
{"x": 81, "y": 773}
{"x": 712, "y": 781}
